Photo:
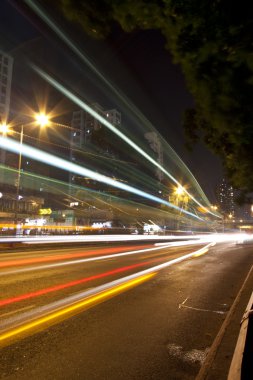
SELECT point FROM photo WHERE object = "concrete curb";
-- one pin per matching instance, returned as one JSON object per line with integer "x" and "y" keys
{"x": 204, "y": 370}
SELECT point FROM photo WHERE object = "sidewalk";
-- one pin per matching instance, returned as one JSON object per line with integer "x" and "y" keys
{"x": 217, "y": 363}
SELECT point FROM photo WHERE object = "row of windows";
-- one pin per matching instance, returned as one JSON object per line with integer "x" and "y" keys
{"x": 4, "y": 69}
{"x": 3, "y": 79}
{"x": 2, "y": 99}
{"x": 3, "y": 59}
{"x": 3, "y": 90}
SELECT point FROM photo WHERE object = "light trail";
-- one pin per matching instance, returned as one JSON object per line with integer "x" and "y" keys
{"x": 130, "y": 106}
{"x": 70, "y": 284}
{"x": 73, "y": 309}
{"x": 116, "y": 131}
{"x": 58, "y": 162}
{"x": 75, "y": 303}
{"x": 97, "y": 258}
{"x": 57, "y": 257}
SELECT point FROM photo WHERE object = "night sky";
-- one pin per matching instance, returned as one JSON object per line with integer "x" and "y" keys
{"x": 154, "y": 84}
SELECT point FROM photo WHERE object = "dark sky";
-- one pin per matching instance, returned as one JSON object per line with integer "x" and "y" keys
{"x": 153, "y": 83}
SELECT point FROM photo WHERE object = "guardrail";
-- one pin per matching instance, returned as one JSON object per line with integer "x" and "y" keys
{"x": 241, "y": 367}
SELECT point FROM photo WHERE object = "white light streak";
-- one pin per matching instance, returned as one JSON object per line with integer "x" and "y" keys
{"x": 44, "y": 310}
{"x": 58, "y": 162}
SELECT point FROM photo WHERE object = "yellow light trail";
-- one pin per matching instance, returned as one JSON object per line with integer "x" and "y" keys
{"x": 48, "y": 320}
{"x": 201, "y": 252}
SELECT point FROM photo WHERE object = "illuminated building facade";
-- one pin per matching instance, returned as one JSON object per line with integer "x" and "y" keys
{"x": 156, "y": 146}
{"x": 86, "y": 133}
{"x": 225, "y": 197}
{"x": 6, "y": 64}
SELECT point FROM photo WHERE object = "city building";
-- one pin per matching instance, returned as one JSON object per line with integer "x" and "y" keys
{"x": 6, "y": 64}
{"x": 226, "y": 198}
{"x": 113, "y": 116}
{"x": 85, "y": 126}
{"x": 156, "y": 146}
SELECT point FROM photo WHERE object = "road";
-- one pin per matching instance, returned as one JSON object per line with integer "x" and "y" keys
{"x": 119, "y": 311}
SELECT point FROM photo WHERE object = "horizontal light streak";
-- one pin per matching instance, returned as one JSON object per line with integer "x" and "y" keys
{"x": 57, "y": 257}
{"x": 218, "y": 237}
{"x": 20, "y": 321}
{"x": 39, "y": 155}
{"x": 75, "y": 262}
{"x": 70, "y": 310}
{"x": 70, "y": 284}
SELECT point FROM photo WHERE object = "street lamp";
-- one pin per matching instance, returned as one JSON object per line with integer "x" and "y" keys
{"x": 4, "y": 129}
{"x": 179, "y": 190}
{"x": 42, "y": 120}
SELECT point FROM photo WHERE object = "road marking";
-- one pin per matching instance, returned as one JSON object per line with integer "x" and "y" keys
{"x": 182, "y": 305}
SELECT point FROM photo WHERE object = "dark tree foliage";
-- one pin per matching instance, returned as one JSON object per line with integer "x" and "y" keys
{"x": 212, "y": 41}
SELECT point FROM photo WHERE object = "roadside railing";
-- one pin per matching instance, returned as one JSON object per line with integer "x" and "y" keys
{"x": 241, "y": 367}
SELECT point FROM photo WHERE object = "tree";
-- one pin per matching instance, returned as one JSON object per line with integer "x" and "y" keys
{"x": 212, "y": 42}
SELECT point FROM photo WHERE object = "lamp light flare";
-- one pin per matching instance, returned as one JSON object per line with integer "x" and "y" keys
{"x": 179, "y": 190}
{"x": 4, "y": 129}
{"x": 42, "y": 119}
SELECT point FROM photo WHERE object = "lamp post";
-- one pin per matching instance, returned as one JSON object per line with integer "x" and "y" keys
{"x": 4, "y": 129}
{"x": 20, "y": 158}
{"x": 42, "y": 120}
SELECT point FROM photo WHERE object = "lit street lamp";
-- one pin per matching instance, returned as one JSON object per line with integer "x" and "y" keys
{"x": 42, "y": 120}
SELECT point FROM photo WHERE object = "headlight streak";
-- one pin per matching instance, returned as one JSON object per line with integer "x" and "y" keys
{"x": 217, "y": 238}
{"x": 108, "y": 125}
{"x": 42, "y": 259}
{"x": 58, "y": 162}
{"x": 97, "y": 258}
{"x": 18, "y": 324}
{"x": 70, "y": 284}
{"x": 126, "y": 207}
{"x": 75, "y": 308}
{"x": 129, "y": 105}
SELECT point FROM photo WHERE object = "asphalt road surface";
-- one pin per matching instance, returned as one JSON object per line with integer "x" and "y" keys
{"x": 135, "y": 311}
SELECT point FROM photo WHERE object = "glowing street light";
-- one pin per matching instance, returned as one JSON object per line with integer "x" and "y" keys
{"x": 179, "y": 190}
{"x": 42, "y": 119}
{"x": 4, "y": 129}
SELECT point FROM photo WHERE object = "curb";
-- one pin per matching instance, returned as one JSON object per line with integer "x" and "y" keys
{"x": 204, "y": 370}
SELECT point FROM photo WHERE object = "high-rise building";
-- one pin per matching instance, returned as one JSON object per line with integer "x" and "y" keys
{"x": 156, "y": 146}
{"x": 85, "y": 125}
{"x": 113, "y": 116}
{"x": 6, "y": 64}
{"x": 225, "y": 196}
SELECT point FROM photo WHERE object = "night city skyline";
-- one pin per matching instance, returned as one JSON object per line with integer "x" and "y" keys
{"x": 162, "y": 98}
{"x": 126, "y": 190}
